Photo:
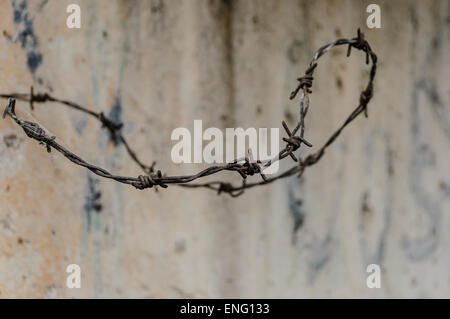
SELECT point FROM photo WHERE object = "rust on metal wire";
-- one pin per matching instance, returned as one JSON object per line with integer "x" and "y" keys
{"x": 248, "y": 168}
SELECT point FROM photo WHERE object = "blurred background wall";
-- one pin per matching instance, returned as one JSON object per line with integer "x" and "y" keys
{"x": 381, "y": 194}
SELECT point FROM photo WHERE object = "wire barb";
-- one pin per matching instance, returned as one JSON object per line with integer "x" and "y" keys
{"x": 148, "y": 181}
{"x": 305, "y": 82}
{"x": 360, "y": 44}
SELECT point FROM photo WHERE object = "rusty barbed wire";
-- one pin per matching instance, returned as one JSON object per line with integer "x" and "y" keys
{"x": 244, "y": 167}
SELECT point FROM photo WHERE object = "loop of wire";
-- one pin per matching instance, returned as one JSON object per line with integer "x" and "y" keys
{"x": 244, "y": 167}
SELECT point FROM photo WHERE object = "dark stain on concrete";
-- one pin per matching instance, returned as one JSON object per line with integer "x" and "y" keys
{"x": 295, "y": 199}
{"x": 180, "y": 246}
{"x": 115, "y": 115}
{"x": 92, "y": 200}
{"x": 413, "y": 18}
{"x": 289, "y": 117}
{"x": 295, "y": 208}
{"x": 229, "y": 37}
{"x": 322, "y": 255}
{"x": 12, "y": 141}
{"x": 365, "y": 209}
{"x": 438, "y": 107}
{"x": 157, "y": 7}
{"x": 445, "y": 188}
{"x": 79, "y": 121}
{"x": 294, "y": 51}
{"x": 390, "y": 162}
{"x": 338, "y": 33}
{"x": 422, "y": 162}
{"x": 374, "y": 212}
{"x": 27, "y": 37}
{"x": 42, "y": 4}
{"x": 339, "y": 82}
{"x": 227, "y": 2}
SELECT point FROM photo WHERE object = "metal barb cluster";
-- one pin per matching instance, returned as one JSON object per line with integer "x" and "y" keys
{"x": 305, "y": 82}
{"x": 148, "y": 181}
{"x": 360, "y": 44}
{"x": 244, "y": 167}
{"x": 294, "y": 142}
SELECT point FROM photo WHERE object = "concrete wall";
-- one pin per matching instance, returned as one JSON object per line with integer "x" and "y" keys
{"x": 380, "y": 195}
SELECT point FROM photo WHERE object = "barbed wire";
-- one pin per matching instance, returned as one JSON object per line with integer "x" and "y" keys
{"x": 244, "y": 167}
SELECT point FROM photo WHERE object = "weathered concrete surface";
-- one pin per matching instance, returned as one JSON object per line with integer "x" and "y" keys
{"x": 380, "y": 195}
